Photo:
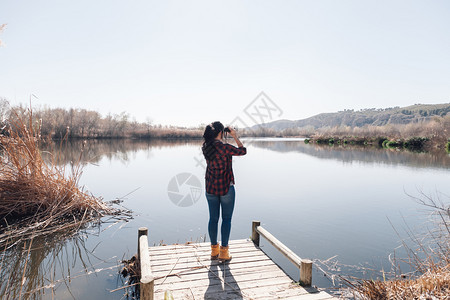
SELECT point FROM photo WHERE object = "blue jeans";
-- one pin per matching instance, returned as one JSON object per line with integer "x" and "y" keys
{"x": 227, "y": 204}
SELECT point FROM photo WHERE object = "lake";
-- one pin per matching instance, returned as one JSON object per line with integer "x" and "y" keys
{"x": 322, "y": 202}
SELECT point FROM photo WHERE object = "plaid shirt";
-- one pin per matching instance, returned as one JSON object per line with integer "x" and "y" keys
{"x": 219, "y": 172}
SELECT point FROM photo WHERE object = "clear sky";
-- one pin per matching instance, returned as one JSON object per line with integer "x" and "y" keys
{"x": 191, "y": 62}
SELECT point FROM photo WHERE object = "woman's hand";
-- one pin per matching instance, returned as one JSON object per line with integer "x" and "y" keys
{"x": 233, "y": 132}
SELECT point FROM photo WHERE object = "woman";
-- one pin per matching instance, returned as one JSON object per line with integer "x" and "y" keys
{"x": 220, "y": 184}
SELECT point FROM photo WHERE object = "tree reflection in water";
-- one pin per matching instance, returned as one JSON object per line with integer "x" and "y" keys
{"x": 349, "y": 154}
{"x": 113, "y": 149}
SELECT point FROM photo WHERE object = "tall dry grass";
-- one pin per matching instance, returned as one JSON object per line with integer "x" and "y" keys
{"x": 428, "y": 257}
{"x": 2, "y": 27}
{"x": 38, "y": 197}
{"x": 434, "y": 284}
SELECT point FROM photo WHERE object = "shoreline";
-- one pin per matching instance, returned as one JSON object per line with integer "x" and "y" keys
{"x": 413, "y": 144}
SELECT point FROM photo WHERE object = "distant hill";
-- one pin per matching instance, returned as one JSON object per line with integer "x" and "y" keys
{"x": 370, "y": 116}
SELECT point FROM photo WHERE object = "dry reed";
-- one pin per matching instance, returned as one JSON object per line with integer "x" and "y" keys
{"x": 434, "y": 284}
{"x": 38, "y": 197}
{"x": 428, "y": 259}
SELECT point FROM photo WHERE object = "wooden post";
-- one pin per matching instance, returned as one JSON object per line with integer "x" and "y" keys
{"x": 147, "y": 286}
{"x": 255, "y": 233}
{"x": 141, "y": 231}
{"x": 306, "y": 272}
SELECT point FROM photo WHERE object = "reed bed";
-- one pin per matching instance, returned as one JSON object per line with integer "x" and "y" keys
{"x": 39, "y": 197}
{"x": 434, "y": 284}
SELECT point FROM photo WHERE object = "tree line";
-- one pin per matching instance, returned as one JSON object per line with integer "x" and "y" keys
{"x": 59, "y": 123}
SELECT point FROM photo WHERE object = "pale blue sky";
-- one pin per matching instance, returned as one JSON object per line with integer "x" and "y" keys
{"x": 191, "y": 62}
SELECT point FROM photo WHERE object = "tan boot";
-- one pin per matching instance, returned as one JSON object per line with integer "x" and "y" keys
{"x": 224, "y": 255}
{"x": 214, "y": 251}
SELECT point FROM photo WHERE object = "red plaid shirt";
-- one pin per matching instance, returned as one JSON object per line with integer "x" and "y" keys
{"x": 219, "y": 172}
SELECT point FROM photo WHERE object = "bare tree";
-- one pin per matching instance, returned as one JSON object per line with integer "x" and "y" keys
{"x": 2, "y": 27}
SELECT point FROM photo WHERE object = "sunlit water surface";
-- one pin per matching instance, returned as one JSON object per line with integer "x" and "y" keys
{"x": 322, "y": 202}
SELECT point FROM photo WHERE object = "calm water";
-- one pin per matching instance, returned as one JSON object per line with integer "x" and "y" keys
{"x": 322, "y": 202}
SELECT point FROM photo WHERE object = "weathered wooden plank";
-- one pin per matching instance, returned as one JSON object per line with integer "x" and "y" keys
{"x": 244, "y": 265}
{"x": 188, "y": 252}
{"x": 252, "y": 290}
{"x": 203, "y": 255}
{"x": 319, "y": 296}
{"x": 201, "y": 273}
{"x": 294, "y": 292}
{"x": 245, "y": 289}
{"x": 216, "y": 279}
{"x": 196, "y": 245}
{"x": 240, "y": 247}
{"x": 163, "y": 259}
{"x": 223, "y": 272}
{"x": 280, "y": 291}
{"x": 304, "y": 265}
{"x": 258, "y": 291}
{"x": 207, "y": 260}
{"x": 294, "y": 258}
{"x": 194, "y": 264}
{"x": 203, "y": 258}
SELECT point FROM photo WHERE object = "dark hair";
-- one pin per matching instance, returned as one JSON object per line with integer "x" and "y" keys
{"x": 211, "y": 132}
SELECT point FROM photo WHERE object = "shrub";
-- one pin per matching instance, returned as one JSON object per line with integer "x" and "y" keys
{"x": 415, "y": 143}
{"x": 322, "y": 141}
{"x": 381, "y": 141}
{"x": 394, "y": 144}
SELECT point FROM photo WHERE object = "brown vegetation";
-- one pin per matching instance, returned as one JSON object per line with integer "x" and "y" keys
{"x": 2, "y": 27}
{"x": 38, "y": 197}
{"x": 434, "y": 284}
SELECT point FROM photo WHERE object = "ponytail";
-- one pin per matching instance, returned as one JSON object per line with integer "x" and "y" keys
{"x": 211, "y": 132}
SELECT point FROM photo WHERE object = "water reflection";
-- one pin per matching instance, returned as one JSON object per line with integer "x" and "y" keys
{"x": 333, "y": 220}
{"x": 36, "y": 268}
{"x": 123, "y": 150}
{"x": 92, "y": 151}
{"x": 28, "y": 268}
{"x": 349, "y": 154}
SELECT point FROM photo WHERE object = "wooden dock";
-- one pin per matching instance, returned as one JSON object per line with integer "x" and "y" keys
{"x": 188, "y": 272}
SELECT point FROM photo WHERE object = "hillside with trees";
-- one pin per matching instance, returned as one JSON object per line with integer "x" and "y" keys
{"x": 417, "y": 113}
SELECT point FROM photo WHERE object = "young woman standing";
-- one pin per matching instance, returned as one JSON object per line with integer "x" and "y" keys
{"x": 219, "y": 179}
